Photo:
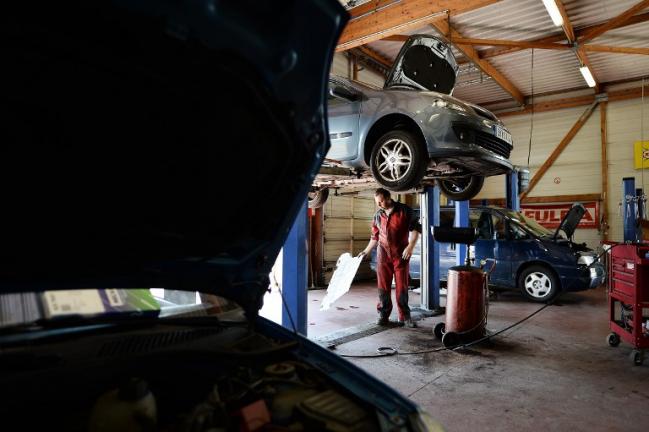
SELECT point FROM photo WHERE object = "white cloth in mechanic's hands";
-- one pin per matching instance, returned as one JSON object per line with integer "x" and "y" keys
{"x": 342, "y": 279}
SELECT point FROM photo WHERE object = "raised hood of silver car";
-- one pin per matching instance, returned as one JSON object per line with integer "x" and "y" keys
{"x": 424, "y": 63}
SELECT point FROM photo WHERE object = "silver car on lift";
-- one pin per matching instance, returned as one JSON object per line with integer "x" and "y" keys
{"x": 413, "y": 130}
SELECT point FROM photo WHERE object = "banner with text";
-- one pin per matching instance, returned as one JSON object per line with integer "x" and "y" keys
{"x": 550, "y": 215}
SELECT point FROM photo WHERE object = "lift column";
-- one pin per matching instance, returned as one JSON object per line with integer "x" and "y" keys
{"x": 629, "y": 209}
{"x": 461, "y": 220}
{"x": 294, "y": 274}
{"x": 513, "y": 199}
{"x": 429, "y": 213}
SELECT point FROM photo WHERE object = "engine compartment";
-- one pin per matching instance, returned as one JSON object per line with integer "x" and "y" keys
{"x": 174, "y": 379}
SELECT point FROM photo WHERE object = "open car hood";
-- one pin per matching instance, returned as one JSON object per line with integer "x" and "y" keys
{"x": 424, "y": 63}
{"x": 571, "y": 220}
{"x": 159, "y": 144}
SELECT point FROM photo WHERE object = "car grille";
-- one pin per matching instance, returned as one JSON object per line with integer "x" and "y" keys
{"x": 491, "y": 143}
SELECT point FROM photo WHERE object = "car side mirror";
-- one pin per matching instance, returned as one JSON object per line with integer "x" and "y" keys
{"x": 343, "y": 93}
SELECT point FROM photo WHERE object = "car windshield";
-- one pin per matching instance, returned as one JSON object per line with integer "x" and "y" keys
{"x": 118, "y": 303}
{"x": 530, "y": 224}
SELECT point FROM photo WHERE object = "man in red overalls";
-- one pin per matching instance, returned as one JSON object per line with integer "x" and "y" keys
{"x": 390, "y": 228}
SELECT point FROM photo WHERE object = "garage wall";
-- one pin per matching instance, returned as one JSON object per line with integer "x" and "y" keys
{"x": 340, "y": 67}
{"x": 623, "y": 131}
{"x": 578, "y": 168}
{"x": 347, "y": 228}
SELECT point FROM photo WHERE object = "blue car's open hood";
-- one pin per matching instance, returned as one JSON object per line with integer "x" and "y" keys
{"x": 159, "y": 144}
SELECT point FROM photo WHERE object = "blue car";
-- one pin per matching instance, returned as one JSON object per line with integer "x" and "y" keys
{"x": 529, "y": 257}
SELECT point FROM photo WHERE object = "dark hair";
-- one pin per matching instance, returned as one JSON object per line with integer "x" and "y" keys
{"x": 383, "y": 192}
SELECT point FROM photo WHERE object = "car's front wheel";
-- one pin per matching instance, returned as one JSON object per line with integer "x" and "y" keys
{"x": 538, "y": 283}
{"x": 398, "y": 161}
{"x": 461, "y": 189}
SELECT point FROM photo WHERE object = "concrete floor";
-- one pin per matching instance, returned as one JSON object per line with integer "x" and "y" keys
{"x": 554, "y": 372}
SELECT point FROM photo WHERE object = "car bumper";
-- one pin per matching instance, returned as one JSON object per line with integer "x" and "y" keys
{"x": 468, "y": 141}
{"x": 589, "y": 277}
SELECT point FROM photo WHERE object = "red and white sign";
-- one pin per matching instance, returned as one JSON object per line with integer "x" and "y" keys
{"x": 550, "y": 215}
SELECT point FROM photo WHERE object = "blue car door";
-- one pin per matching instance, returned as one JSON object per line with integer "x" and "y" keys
{"x": 493, "y": 243}
{"x": 343, "y": 110}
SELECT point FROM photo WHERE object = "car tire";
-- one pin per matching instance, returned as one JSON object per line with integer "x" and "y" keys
{"x": 538, "y": 283}
{"x": 318, "y": 198}
{"x": 461, "y": 189}
{"x": 398, "y": 161}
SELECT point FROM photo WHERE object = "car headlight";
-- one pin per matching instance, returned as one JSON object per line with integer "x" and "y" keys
{"x": 586, "y": 259}
{"x": 441, "y": 103}
{"x": 593, "y": 273}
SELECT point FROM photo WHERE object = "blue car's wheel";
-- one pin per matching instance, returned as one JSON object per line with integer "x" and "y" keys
{"x": 538, "y": 283}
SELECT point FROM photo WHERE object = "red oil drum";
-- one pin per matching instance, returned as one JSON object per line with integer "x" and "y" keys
{"x": 465, "y": 303}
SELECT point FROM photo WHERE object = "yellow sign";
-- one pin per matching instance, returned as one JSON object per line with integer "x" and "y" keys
{"x": 641, "y": 154}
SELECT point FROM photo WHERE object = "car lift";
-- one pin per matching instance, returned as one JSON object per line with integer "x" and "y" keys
{"x": 430, "y": 298}
{"x": 295, "y": 278}
{"x": 295, "y": 261}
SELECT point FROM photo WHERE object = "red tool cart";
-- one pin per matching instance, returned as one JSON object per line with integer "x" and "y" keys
{"x": 628, "y": 297}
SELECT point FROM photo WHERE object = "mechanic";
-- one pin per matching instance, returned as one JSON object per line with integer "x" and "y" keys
{"x": 390, "y": 227}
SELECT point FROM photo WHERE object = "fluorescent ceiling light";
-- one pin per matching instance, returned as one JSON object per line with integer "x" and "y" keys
{"x": 554, "y": 12}
{"x": 587, "y": 76}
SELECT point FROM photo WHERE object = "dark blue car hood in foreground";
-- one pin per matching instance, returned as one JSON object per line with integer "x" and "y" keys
{"x": 159, "y": 144}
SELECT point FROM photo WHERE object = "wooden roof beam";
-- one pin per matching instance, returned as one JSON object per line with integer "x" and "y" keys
{"x": 567, "y": 25}
{"x": 569, "y": 31}
{"x": 451, "y": 34}
{"x": 510, "y": 43}
{"x": 397, "y": 17}
{"x": 563, "y": 103}
{"x": 376, "y": 56}
{"x": 612, "y": 23}
{"x": 610, "y": 49}
{"x": 636, "y": 19}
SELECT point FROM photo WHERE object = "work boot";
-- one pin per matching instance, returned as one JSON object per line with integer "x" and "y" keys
{"x": 383, "y": 321}
{"x": 408, "y": 323}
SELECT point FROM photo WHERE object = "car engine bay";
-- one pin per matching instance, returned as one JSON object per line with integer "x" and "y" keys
{"x": 175, "y": 379}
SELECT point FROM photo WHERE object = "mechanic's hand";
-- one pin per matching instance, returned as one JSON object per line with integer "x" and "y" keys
{"x": 407, "y": 253}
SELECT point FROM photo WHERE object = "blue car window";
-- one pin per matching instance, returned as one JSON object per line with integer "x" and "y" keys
{"x": 483, "y": 223}
{"x": 500, "y": 228}
{"x": 517, "y": 232}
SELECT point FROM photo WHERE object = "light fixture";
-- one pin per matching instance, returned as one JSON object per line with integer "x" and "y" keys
{"x": 588, "y": 76}
{"x": 554, "y": 12}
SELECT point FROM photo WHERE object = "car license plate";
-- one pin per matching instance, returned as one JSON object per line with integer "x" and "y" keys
{"x": 502, "y": 134}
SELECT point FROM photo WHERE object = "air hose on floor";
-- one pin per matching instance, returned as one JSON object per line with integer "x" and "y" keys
{"x": 387, "y": 351}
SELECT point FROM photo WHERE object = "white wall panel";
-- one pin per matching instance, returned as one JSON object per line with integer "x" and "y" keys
{"x": 579, "y": 166}
{"x": 623, "y": 130}
{"x": 347, "y": 228}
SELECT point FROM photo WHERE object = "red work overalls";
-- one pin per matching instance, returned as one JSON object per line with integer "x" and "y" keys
{"x": 392, "y": 234}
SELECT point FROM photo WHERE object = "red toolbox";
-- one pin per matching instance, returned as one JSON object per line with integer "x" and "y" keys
{"x": 628, "y": 297}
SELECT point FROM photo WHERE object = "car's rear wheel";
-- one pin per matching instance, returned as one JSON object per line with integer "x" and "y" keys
{"x": 538, "y": 283}
{"x": 318, "y": 198}
{"x": 461, "y": 189}
{"x": 398, "y": 161}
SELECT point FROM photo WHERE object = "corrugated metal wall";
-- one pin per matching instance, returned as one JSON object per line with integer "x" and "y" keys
{"x": 347, "y": 227}
{"x": 578, "y": 168}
